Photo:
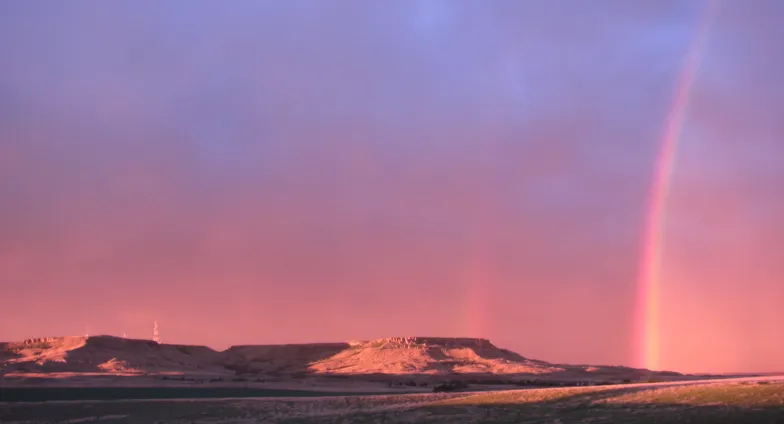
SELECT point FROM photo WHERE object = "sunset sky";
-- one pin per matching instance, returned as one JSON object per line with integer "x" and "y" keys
{"x": 327, "y": 170}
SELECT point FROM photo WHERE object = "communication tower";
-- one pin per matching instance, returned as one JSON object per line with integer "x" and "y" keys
{"x": 155, "y": 336}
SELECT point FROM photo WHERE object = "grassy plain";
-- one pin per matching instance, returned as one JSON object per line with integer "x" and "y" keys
{"x": 720, "y": 402}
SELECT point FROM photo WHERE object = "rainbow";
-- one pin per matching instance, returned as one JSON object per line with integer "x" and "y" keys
{"x": 647, "y": 330}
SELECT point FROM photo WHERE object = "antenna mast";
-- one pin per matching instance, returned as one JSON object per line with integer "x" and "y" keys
{"x": 155, "y": 336}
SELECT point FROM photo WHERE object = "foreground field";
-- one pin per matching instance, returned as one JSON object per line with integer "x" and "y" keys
{"x": 724, "y": 402}
{"x": 45, "y": 394}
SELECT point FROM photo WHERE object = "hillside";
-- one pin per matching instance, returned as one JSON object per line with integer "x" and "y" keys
{"x": 399, "y": 355}
{"x": 105, "y": 354}
{"x": 431, "y": 356}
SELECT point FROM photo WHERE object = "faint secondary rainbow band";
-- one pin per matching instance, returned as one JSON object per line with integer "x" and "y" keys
{"x": 649, "y": 284}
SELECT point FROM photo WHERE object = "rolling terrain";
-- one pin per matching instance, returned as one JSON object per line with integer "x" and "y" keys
{"x": 117, "y": 380}
{"x": 420, "y": 357}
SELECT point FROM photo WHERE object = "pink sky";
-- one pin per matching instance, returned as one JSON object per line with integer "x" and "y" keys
{"x": 273, "y": 173}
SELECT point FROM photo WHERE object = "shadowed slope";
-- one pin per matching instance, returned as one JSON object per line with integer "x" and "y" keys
{"x": 279, "y": 359}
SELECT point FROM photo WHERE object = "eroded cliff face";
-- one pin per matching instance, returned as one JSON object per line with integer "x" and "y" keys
{"x": 447, "y": 342}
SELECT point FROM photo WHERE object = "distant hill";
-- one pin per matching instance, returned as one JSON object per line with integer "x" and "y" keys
{"x": 433, "y": 356}
{"x": 397, "y": 355}
{"x": 105, "y": 354}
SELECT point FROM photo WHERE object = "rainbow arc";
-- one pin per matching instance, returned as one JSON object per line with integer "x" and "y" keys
{"x": 648, "y": 308}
